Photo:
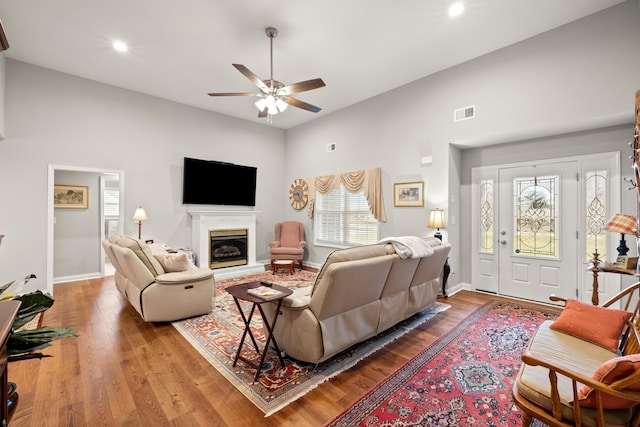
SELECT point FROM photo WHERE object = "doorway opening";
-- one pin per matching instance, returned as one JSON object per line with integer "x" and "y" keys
{"x": 68, "y": 231}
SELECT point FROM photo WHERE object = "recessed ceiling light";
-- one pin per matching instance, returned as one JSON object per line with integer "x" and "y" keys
{"x": 456, "y": 9}
{"x": 120, "y": 46}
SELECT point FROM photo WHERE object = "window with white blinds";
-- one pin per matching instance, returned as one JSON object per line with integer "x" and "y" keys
{"x": 344, "y": 219}
{"x": 111, "y": 202}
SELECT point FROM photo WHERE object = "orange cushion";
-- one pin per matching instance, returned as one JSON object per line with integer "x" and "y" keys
{"x": 599, "y": 325}
{"x": 609, "y": 372}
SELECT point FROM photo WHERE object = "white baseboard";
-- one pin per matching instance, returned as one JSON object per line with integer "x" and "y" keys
{"x": 313, "y": 265}
{"x": 454, "y": 289}
{"x": 76, "y": 277}
{"x": 220, "y": 273}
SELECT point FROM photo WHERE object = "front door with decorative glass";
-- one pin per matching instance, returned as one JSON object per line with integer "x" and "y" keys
{"x": 538, "y": 231}
{"x": 521, "y": 232}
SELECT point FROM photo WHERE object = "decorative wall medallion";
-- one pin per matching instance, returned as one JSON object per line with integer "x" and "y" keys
{"x": 299, "y": 193}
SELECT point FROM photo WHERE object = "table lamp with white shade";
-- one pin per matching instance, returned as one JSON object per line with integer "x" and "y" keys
{"x": 436, "y": 220}
{"x": 139, "y": 216}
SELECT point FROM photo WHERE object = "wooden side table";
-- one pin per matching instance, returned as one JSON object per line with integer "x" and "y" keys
{"x": 240, "y": 292}
{"x": 446, "y": 270}
{"x": 597, "y": 266}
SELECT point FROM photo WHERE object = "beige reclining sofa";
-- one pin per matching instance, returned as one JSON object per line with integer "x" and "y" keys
{"x": 157, "y": 295}
{"x": 358, "y": 293}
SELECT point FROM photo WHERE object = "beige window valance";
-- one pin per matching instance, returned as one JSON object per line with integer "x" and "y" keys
{"x": 369, "y": 181}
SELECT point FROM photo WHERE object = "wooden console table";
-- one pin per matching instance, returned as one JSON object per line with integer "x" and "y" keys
{"x": 8, "y": 311}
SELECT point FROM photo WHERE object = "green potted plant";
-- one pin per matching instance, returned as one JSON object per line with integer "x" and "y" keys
{"x": 23, "y": 342}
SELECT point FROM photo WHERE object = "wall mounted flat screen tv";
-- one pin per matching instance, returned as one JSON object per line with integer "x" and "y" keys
{"x": 209, "y": 182}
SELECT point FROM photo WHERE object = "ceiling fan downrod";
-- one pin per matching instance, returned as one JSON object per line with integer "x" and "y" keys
{"x": 271, "y": 33}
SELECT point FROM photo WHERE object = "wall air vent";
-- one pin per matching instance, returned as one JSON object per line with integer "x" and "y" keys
{"x": 331, "y": 147}
{"x": 464, "y": 113}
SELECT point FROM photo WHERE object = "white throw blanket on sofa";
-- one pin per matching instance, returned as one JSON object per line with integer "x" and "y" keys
{"x": 409, "y": 246}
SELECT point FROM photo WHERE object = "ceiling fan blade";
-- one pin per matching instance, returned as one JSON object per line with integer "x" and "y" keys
{"x": 300, "y": 104}
{"x": 263, "y": 113}
{"x": 251, "y": 76}
{"x": 235, "y": 94}
{"x": 301, "y": 86}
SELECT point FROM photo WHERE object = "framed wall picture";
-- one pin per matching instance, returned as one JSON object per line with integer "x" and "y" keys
{"x": 70, "y": 196}
{"x": 408, "y": 194}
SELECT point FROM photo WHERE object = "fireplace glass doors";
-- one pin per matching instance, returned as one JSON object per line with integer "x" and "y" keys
{"x": 228, "y": 248}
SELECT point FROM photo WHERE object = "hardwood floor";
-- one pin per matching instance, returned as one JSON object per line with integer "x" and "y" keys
{"x": 121, "y": 371}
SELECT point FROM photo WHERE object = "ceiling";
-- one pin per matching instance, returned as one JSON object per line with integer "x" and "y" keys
{"x": 180, "y": 51}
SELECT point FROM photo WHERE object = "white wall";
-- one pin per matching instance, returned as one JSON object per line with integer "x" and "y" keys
{"x": 77, "y": 235}
{"x": 54, "y": 118}
{"x": 577, "y": 77}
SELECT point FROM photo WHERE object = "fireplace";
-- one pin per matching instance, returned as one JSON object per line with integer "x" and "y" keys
{"x": 228, "y": 248}
{"x": 204, "y": 219}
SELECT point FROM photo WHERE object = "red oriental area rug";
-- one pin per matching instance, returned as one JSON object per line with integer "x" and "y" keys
{"x": 216, "y": 337}
{"x": 463, "y": 379}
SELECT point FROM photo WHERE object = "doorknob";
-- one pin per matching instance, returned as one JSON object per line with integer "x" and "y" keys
{"x": 503, "y": 242}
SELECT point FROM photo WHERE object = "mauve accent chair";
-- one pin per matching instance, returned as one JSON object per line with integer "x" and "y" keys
{"x": 289, "y": 243}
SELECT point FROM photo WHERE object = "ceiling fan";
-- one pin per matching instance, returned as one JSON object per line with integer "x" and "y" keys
{"x": 274, "y": 96}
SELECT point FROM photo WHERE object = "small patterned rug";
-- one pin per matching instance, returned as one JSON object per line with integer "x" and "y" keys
{"x": 217, "y": 335}
{"x": 463, "y": 379}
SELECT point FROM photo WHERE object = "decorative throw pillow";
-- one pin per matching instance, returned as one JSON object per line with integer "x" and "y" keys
{"x": 174, "y": 262}
{"x": 159, "y": 248}
{"x": 599, "y": 325}
{"x": 609, "y": 372}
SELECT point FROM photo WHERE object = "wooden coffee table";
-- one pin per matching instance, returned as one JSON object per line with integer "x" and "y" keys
{"x": 241, "y": 292}
{"x": 284, "y": 263}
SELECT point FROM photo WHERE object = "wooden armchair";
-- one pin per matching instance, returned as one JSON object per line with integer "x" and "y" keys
{"x": 557, "y": 366}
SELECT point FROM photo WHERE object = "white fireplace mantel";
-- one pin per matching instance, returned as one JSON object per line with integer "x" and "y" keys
{"x": 205, "y": 219}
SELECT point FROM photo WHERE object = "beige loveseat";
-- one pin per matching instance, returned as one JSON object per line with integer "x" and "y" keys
{"x": 358, "y": 293}
{"x": 157, "y": 295}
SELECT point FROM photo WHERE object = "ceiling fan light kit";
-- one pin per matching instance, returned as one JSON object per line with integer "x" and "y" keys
{"x": 274, "y": 105}
{"x": 274, "y": 96}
